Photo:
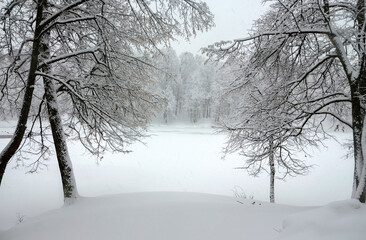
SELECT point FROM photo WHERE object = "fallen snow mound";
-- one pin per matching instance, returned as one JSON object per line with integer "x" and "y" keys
{"x": 335, "y": 221}
{"x": 155, "y": 216}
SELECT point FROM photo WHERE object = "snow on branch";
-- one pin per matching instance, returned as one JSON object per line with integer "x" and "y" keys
{"x": 11, "y": 5}
{"x": 70, "y": 88}
{"x": 344, "y": 6}
{"x": 272, "y": 33}
{"x": 69, "y": 55}
{"x": 67, "y": 21}
{"x": 48, "y": 20}
{"x": 289, "y": 32}
{"x": 311, "y": 69}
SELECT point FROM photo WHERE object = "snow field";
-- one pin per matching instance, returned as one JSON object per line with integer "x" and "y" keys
{"x": 193, "y": 216}
{"x": 176, "y": 158}
{"x": 155, "y": 216}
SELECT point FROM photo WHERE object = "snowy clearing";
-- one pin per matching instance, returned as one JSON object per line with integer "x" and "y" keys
{"x": 177, "y": 158}
{"x": 93, "y": 75}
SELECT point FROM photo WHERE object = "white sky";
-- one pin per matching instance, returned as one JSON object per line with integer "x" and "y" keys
{"x": 233, "y": 18}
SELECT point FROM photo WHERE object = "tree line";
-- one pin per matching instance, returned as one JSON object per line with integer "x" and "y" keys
{"x": 191, "y": 87}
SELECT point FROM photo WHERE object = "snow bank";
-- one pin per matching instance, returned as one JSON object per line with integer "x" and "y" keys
{"x": 335, "y": 221}
{"x": 155, "y": 216}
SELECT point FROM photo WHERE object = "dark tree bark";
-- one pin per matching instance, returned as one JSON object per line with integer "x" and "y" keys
{"x": 357, "y": 124}
{"x": 358, "y": 100}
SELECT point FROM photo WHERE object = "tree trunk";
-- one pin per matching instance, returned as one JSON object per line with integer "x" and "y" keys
{"x": 272, "y": 172}
{"x": 359, "y": 132}
{"x": 63, "y": 158}
{"x": 18, "y": 135}
{"x": 165, "y": 116}
{"x": 59, "y": 140}
{"x": 358, "y": 92}
{"x": 357, "y": 143}
{"x": 361, "y": 186}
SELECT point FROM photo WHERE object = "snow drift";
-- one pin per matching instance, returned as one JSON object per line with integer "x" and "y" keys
{"x": 335, "y": 221}
{"x": 178, "y": 216}
{"x": 190, "y": 216}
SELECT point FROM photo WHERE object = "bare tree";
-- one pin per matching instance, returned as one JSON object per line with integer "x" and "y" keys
{"x": 92, "y": 56}
{"x": 321, "y": 47}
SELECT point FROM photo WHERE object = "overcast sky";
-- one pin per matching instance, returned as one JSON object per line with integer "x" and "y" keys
{"x": 233, "y": 18}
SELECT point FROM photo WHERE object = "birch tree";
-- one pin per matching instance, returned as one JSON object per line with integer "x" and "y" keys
{"x": 322, "y": 43}
{"x": 91, "y": 56}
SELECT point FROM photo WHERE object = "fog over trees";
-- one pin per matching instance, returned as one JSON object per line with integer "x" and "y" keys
{"x": 191, "y": 87}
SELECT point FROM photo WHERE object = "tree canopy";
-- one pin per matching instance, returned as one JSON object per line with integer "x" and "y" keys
{"x": 87, "y": 61}
{"x": 316, "y": 51}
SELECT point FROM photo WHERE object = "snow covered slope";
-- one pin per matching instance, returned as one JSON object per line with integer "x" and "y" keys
{"x": 156, "y": 216}
{"x": 343, "y": 220}
{"x": 190, "y": 216}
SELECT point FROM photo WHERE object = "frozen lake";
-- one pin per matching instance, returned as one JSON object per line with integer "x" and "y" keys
{"x": 175, "y": 158}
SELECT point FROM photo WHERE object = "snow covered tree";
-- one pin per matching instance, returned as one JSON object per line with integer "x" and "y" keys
{"x": 322, "y": 43}
{"x": 260, "y": 130}
{"x": 208, "y": 76}
{"x": 188, "y": 67}
{"x": 188, "y": 84}
{"x": 91, "y": 57}
{"x": 168, "y": 79}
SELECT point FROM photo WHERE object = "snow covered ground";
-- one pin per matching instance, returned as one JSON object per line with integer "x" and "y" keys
{"x": 176, "y": 158}
{"x": 155, "y": 216}
{"x": 191, "y": 216}
{"x": 335, "y": 221}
